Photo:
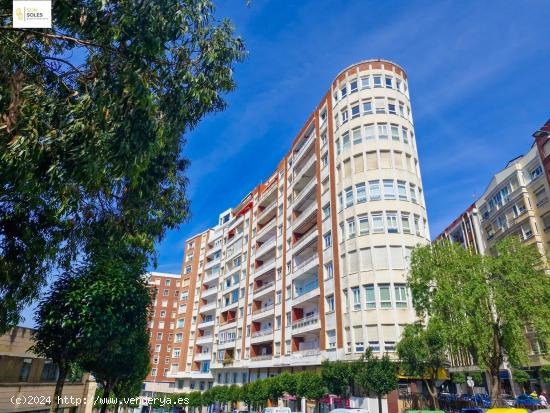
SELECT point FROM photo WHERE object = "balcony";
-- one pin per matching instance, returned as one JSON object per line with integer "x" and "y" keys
{"x": 267, "y": 212}
{"x": 266, "y": 247}
{"x": 264, "y": 268}
{"x": 205, "y": 308}
{"x": 307, "y": 216}
{"x": 229, "y": 323}
{"x": 202, "y": 356}
{"x": 303, "y": 149}
{"x": 264, "y": 312}
{"x": 230, "y": 306}
{"x": 307, "y": 239}
{"x": 264, "y": 289}
{"x": 204, "y": 339}
{"x": 306, "y": 292}
{"x": 214, "y": 276}
{"x": 262, "y": 335}
{"x": 268, "y": 192}
{"x": 305, "y": 266}
{"x": 230, "y": 343}
{"x": 209, "y": 292}
{"x": 307, "y": 190}
{"x": 264, "y": 230}
{"x": 304, "y": 169}
{"x": 306, "y": 324}
{"x": 262, "y": 357}
{"x": 205, "y": 324}
{"x": 212, "y": 263}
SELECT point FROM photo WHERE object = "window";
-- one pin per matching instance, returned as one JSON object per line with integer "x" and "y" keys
{"x": 330, "y": 303}
{"x": 361, "y": 193}
{"x": 389, "y": 82}
{"x": 385, "y": 296}
{"x": 356, "y": 298}
{"x": 327, "y": 239}
{"x": 400, "y": 295}
{"x": 370, "y": 298}
{"x": 356, "y": 133}
{"x": 355, "y": 111}
{"x": 351, "y": 228}
{"x": 374, "y": 346}
{"x": 343, "y": 91}
{"x": 372, "y": 160}
{"x": 394, "y": 132}
{"x": 331, "y": 338}
{"x": 353, "y": 86}
{"x": 405, "y": 135}
{"x": 391, "y": 107}
{"x": 389, "y": 346}
{"x": 324, "y": 160}
{"x": 385, "y": 159}
{"x": 176, "y": 353}
{"x": 535, "y": 173}
{"x": 338, "y": 149}
{"x": 326, "y": 211}
{"x": 345, "y": 142}
{"x": 382, "y": 131}
{"x": 402, "y": 190}
{"x": 391, "y": 219}
{"x": 367, "y": 107}
{"x": 377, "y": 222}
{"x": 413, "y": 193}
{"x": 153, "y": 372}
{"x": 359, "y": 347}
{"x": 380, "y": 104}
{"x": 358, "y": 163}
{"x": 374, "y": 190}
{"x": 345, "y": 115}
{"x": 25, "y": 370}
{"x": 370, "y": 132}
{"x": 377, "y": 80}
{"x": 363, "y": 224}
{"x": 349, "y": 196}
{"x": 365, "y": 82}
{"x": 389, "y": 190}
{"x": 329, "y": 271}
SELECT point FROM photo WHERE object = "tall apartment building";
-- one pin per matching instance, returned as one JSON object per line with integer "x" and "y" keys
{"x": 311, "y": 264}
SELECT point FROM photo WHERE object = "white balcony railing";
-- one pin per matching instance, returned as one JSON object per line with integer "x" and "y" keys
{"x": 261, "y": 333}
{"x": 266, "y": 246}
{"x": 312, "y": 320}
{"x": 264, "y": 309}
{"x": 262, "y": 288}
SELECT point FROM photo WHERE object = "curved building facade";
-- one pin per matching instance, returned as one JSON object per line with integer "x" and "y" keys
{"x": 312, "y": 264}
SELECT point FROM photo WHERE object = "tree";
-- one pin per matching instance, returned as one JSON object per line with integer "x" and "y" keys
{"x": 288, "y": 382}
{"x": 377, "y": 375}
{"x": 310, "y": 385}
{"x": 258, "y": 393}
{"x": 422, "y": 352}
{"x": 234, "y": 395}
{"x": 247, "y": 396}
{"x": 274, "y": 388}
{"x": 96, "y": 316}
{"x": 195, "y": 400}
{"x": 544, "y": 372}
{"x": 99, "y": 137}
{"x": 337, "y": 377}
{"x": 521, "y": 377}
{"x": 458, "y": 378}
{"x": 486, "y": 301}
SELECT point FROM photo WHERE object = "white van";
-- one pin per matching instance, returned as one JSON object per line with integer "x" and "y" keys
{"x": 277, "y": 410}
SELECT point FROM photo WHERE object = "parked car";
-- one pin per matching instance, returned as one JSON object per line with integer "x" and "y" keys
{"x": 339, "y": 410}
{"x": 527, "y": 400}
{"x": 508, "y": 400}
{"x": 277, "y": 410}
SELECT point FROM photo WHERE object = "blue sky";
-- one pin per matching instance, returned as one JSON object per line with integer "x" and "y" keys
{"x": 479, "y": 76}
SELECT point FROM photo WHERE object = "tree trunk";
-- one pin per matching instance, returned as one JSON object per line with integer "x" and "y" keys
{"x": 433, "y": 393}
{"x": 58, "y": 387}
{"x": 106, "y": 394}
{"x": 379, "y": 403}
{"x": 494, "y": 375}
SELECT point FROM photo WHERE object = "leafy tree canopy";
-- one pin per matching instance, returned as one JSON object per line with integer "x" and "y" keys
{"x": 486, "y": 302}
{"x": 93, "y": 116}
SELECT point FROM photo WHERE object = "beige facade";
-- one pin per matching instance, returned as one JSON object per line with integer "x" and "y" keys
{"x": 27, "y": 382}
{"x": 311, "y": 265}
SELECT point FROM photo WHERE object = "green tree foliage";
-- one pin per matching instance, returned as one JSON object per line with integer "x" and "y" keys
{"x": 422, "y": 352}
{"x": 288, "y": 383}
{"x": 521, "y": 377}
{"x": 97, "y": 316}
{"x": 247, "y": 396}
{"x": 259, "y": 394}
{"x": 458, "y": 378}
{"x": 234, "y": 395}
{"x": 377, "y": 375}
{"x": 195, "y": 400}
{"x": 274, "y": 388}
{"x": 544, "y": 372}
{"x": 97, "y": 138}
{"x": 338, "y": 377}
{"x": 485, "y": 301}
{"x": 310, "y": 385}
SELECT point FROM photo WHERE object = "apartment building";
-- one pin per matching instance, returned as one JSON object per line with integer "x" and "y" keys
{"x": 27, "y": 381}
{"x": 311, "y": 264}
{"x": 516, "y": 202}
